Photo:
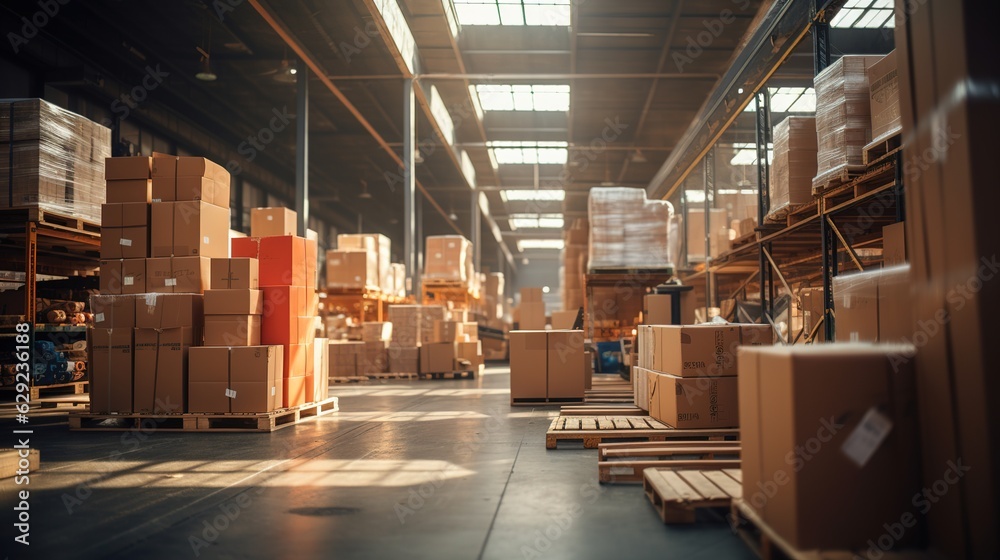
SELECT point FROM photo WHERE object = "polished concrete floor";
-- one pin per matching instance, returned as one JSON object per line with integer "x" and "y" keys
{"x": 428, "y": 469}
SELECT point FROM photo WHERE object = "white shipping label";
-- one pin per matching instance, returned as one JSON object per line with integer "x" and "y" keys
{"x": 157, "y": 200}
{"x": 847, "y": 302}
{"x": 231, "y": 393}
{"x": 206, "y": 240}
{"x": 99, "y": 317}
{"x": 170, "y": 282}
{"x": 867, "y": 437}
{"x": 151, "y": 299}
{"x": 272, "y": 391}
{"x": 270, "y": 219}
{"x": 128, "y": 280}
{"x": 125, "y": 242}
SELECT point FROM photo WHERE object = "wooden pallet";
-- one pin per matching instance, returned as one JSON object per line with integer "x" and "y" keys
{"x": 625, "y": 462}
{"x": 198, "y": 422}
{"x": 544, "y": 401}
{"x": 678, "y": 494}
{"x": 10, "y": 460}
{"x": 837, "y": 178}
{"x": 878, "y": 149}
{"x": 767, "y": 544}
{"x": 791, "y": 214}
{"x": 449, "y": 375}
{"x": 593, "y": 430}
{"x": 602, "y": 410}
{"x": 390, "y": 376}
{"x": 349, "y": 379}
{"x": 743, "y": 240}
{"x": 38, "y": 391}
{"x": 53, "y": 219}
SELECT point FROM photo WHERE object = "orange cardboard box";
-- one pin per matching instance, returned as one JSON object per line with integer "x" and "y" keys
{"x": 294, "y": 360}
{"x": 293, "y": 391}
{"x": 280, "y": 320}
{"x": 283, "y": 261}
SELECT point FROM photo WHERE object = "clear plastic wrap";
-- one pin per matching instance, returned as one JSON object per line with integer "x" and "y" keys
{"x": 448, "y": 257}
{"x": 51, "y": 159}
{"x": 794, "y": 165}
{"x": 626, "y": 230}
{"x": 843, "y": 117}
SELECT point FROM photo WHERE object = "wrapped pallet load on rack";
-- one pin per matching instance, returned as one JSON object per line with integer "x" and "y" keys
{"x": 626, "y": 230}
{"x": 574, "y": 259}
{"x": 843, "y": 119}
{"x": 794, "y": 164}
{"x": 51, "y": 159}
{"x": 448, "y": 258}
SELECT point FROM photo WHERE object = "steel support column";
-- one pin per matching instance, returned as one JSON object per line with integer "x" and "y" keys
{"x": 410, "y": 229}
{"x": 709, "y": 200}
{"x": 302, "y": 149}
{"x": 821, "y": 40}
{"x": 476, "y": 225}
{"x": 762, "y": 101}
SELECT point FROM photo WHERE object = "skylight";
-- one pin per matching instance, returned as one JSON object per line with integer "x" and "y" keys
{"x": 513, "y": 12}
{"x": 746, "y": 154}
{"x": 523, "y": 244}
{"x": 535, "y": 221}
{"x": 865, "y": 14}
{"x": 506, "y": 97}
{"x": 546, "y": 195}
{"x": 789, "y": 100}
{"x": 507, "y": 152}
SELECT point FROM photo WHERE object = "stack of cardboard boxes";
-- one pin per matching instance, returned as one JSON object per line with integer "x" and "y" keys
{"x": 347, "y": 358}
{"x": 574, "y": 263}
{"x": 448, "y": 258}
{"x": 547, "y": 366}
{"x": 626, "y": 230}
{"x": 686, "y": 376}
{"x": 287, "y": 280}
{"x": 376, "y": 337}
{"x": 493, "y": 299}
{"x": 531, "y": 311}
{"x": 794, "y": 164}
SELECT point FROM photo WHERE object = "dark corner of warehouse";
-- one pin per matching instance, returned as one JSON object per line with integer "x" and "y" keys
{"x": 493, "y": 279}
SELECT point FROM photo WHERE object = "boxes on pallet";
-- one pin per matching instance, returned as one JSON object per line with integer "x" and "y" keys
{"x": 448, "y": 257}
{"x": 346, "y": 358}
{"x": 378, "y": 249}
{"x": 437, "y": 357}
{"x": 351, "y": 270}
{"x": 794, "y": 164}
{"x": 883, "y": 84}
{"x": 546, "y": 364}
{"x": 404, "y": 360}
{"x": 376, "y": 357}
{"x": 626, "y": 229}
{"x": 110, "y": 361}
{"x": 812, "y": 414}
{"x": 275, "y": 221}
{"x": 376, "y": 332}
{"x": 160, "y": 385}
{"x": 693, "y": 402}
{"x": 695, "y": 350}
{"x": 405, "y": 320}
{"x": 237, "y": 379}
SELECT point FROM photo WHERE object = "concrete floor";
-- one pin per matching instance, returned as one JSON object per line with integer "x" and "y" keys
{"x": 418, "y": 469}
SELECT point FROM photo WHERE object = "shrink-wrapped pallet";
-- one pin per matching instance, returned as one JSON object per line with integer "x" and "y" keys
{"x": 626, "y": 230}
{"x": 794, "y": 163}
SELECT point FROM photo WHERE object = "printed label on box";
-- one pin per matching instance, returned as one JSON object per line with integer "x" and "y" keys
{"x": 99, "y": 317}
{"x": 231, "y": 393}
{"x": 170, "y": 282}
{"x": 125, "y": 242}
{"x": 867, "y": 437}
{"x": 128, "y": 280}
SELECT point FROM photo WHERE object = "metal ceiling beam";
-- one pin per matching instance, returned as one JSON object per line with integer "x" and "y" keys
{"x": 572, "y": 76}
{"x": 293, "y": 43}
{"x": 780, "y": 30}
{"x": 671, "y": 31}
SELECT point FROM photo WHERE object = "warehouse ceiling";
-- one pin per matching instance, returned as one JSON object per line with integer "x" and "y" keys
{"x": 598, "y": 94}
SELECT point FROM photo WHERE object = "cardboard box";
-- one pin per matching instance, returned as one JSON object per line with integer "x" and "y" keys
{"x": 189, "y": 228}
{"x": 232, "y": 330}
{"x": 307, "y": 329}
{"x": 471, "y": 351}
{"x": 756, "y": 335}
{"x": 429, "y": 314}
{"x": 894, "y": 244}
{"x": 564, "y": 320}
{"x": 350, "y": 269}
{"x": 855, "y": 298}
{"x": 565, "y": 364}
{"x": 321, "y": 380}
{"x": 896, "y": 321}
{"x": 448, "y": 257}
{"x": 124, "y": 243}
{"x": 123, "y": 276}
{"x": 376, "y": 358}
{"x": 811, "y": 309}
{"x": 113, "y": 311}
{"x": 406, "y": 331}
{"x": 293, "y": 391}
{"x": 234, "y": 302}
{"x": 640, "y": 386}
{"x": 266, "y": 222}
{"x": 280, "y": 320}
{"x": 241, "y": 273}
{"x": 168, "y": 311}
{"x": 160, "y": 385}
{"x": 693, "y": 402}
{"x": 469, "y": 331}
{"x": 531, "y": 294}
{"x": 883, "y": 81}
{"x": 657, "y": 309}
{"x": 804, "y": 412}
{"x": 208, "y": 379}
{"x": 695, "y": 350}
{"x": 110, "y": 364}
{"x": 130, "y": 214}
{"x": 282, "y": 261}
{"x": 379, "y": 249}
{"x": 528, "y": 365}
{"x": 118, "y": 168}
{"x": 129, "y": 190}
{"x": 346, "y": 358}
{"x": 404, "y": 360}
{"x": 177, "y": 275}
{"x": 294, "y": 363}
{"x": 446, "y": 331}
{"x": 532, "y": 316}
{"x": 437, "y": 357}
{"x": 255, "y": 377}
{"x": 374, "y": 331}
{"x": 190, "y": 166}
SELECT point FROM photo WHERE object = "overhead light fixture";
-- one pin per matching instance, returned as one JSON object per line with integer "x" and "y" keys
{"x": 523, "y": 244}
{"x": 364, "y": 191}
{"x": 540, "y": 195}
{"x": 525, "y": 261}
{"x": 637, "y": 157}
{"x": 612, "y": 34}
{"x": 286, "y": 73}
{"x": 418, "y": 157}
{"x": 205, "y": 73}
{"x": 453, "y": 216}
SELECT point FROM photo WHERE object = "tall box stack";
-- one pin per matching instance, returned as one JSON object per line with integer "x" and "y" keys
{"x": 404, "y": 345}
{"x": 376, "y": 337}
{"x": 718, "y": 233}
{"x": 687, "y": 375}
{"x": 843, "y": 118}
{"x": 547, "y": 366}
{"x": 51, "y": 159}
{"x": 531, "y": 311}
{"x": 110, "y": 353}
{"x": 794, "y": 163}
{"x": 627, "y": 230}
{"x": 574, "y": 250}
{"x": 845, "y": 412}
{"x": 125, "y": 226}
{"x": 448, "y": 258}
{"x": 287, "y": 272}
{"x": 378, "y": 250}
{"x": 883, "y": 83}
